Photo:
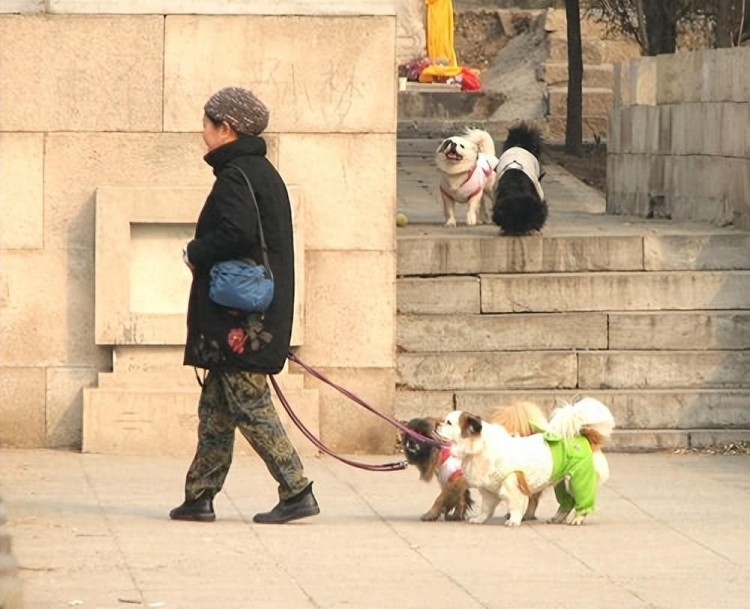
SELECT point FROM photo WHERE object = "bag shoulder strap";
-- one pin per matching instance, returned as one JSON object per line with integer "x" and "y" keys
{"x": 263, "y": 246}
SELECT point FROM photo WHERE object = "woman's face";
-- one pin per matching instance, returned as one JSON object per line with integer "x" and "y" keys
{"x": 217, "y": 135}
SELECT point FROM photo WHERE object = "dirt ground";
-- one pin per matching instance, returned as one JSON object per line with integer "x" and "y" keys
{"x": 590, "y": 167}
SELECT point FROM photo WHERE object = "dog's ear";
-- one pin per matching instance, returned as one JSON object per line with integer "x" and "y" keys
{"x": 433, "y": 423}
{"x": 472, "y": 427}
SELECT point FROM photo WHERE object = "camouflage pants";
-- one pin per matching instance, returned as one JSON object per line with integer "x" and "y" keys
{"x": 241, "y": 400}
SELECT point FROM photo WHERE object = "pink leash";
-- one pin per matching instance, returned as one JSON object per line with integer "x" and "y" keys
{"x": 385, "y": 467}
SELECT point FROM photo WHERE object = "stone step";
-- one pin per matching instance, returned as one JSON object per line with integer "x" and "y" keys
{"x": 595, "y": 128}
{"x": 568, "y": 292}
{"x": 627, "y": 291}
{"x": 582, "y": 370}
{"x": 540, "y": 332}
{"x": 416, "y": 104}
{"x": 682, "y": 330}
{"x": 496, "y": 370}
{"x": 486, "y": 253}
{"x": 438, "y": 128}
{"x": 597, "y": 101}
{"x": 632, "y": 409}
{"x": 179, "y": 377}
{"x": 675, "y": 439}
{"x": 466, "y": 254}
{"x": 556, "y": 24}
{"x": 664, "y": 369}
{"x": 165, "y": 422}
{"x": 555, "y": 73}
{"x": 499, "y": 5}
{"x": 595, "y": 51}
{"x": 439, "y": 295}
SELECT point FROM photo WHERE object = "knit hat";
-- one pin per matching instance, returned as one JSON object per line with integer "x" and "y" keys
{"x": 239, "y": 108}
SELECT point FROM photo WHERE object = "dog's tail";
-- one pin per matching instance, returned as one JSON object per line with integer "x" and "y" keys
{"x": 521, "y": 419}
{"x": 587, "y": 417}
{"x": 525, "y": 136}
{"x": 482, "y": 140}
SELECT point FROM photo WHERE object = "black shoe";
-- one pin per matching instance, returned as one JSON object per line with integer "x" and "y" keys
{"x": 198, "y": 510}
{"x": 302, "y": 505}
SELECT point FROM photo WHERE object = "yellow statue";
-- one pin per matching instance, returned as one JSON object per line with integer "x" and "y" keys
{"x": 440, "y": 48}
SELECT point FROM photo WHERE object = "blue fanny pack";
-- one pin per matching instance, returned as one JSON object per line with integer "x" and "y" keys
{"x": 240, "y": 284}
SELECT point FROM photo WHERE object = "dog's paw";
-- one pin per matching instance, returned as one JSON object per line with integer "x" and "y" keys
{"x": 513, "y": 520}
{"x": 577, "y": 520}
{"x": 471, "y": 218}
{"x": 476, "y": 520}
{"x": 429, "y": 516}
{"x": 450, "y": 222}
{"x": 559, "y": 517}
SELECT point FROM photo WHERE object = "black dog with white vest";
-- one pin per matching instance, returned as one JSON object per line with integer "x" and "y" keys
{"x": 519, "y": 206}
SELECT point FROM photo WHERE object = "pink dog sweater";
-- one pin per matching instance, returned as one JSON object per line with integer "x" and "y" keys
{"x": 476, "y": 179}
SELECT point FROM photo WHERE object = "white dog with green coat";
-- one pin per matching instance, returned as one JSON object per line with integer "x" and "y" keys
{"x": 503, "y": 467}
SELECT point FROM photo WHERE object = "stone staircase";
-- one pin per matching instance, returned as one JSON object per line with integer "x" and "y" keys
{"x": 600, "y": 50}
{"x": 426, "y": 111}
{"x": 651, "y": 318}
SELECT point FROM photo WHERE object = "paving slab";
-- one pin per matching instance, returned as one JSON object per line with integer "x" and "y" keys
{"x": 575, "y": 209}
{"x": 91, "y": 531}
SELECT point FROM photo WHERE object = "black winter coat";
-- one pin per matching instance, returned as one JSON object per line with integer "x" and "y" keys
{"x": 221, "y": 338}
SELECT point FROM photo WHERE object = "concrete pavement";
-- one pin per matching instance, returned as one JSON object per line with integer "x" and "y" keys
{"x": 91, "y": 531}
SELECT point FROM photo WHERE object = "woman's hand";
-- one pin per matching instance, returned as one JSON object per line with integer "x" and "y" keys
{"x": 186, "y": 260}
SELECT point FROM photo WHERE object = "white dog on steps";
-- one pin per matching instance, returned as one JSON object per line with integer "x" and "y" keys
{"x": 467, "y": 175}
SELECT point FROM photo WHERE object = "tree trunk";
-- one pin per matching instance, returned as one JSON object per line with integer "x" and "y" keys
{"x": 641, "y": 16}
{"x": 661, "y": 28}
{"x": 724, "y": 23}
{"x": 574, "y": 121}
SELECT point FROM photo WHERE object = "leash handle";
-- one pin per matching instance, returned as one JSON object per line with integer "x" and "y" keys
{"x": 385, "y": 467}
{"x": 357, "y": 400}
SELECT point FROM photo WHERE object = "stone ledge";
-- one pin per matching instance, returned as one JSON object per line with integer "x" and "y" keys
{"x": 634, "y": 410}
{"x": 625, "y": 291}
{"x": 519, "y": 332}
{"x": 147, "y": 421}
{"x": 690, "y": 370}
{"x": 667, "y": 439}
{"x": 330, "y": 8}
{"x": 477, "y": 370}
{"x": 463, "y": 254}
{"x": 439, "y": 295}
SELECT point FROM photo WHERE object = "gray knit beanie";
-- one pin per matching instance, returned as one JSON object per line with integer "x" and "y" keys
{"x": 241, "y": 110}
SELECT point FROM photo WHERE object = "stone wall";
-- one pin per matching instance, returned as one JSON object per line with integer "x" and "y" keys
{"x": 410, "y": 42}
{"x": 679, "y": 142}
{"x": 101, "y": 177}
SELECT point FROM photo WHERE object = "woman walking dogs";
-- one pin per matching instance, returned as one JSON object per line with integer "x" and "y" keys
{"x": 239, "y": 349}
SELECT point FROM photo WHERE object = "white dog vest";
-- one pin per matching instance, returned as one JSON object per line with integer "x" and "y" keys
{"x": 476, "y": 179}
{"x": 521, "y": 159}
